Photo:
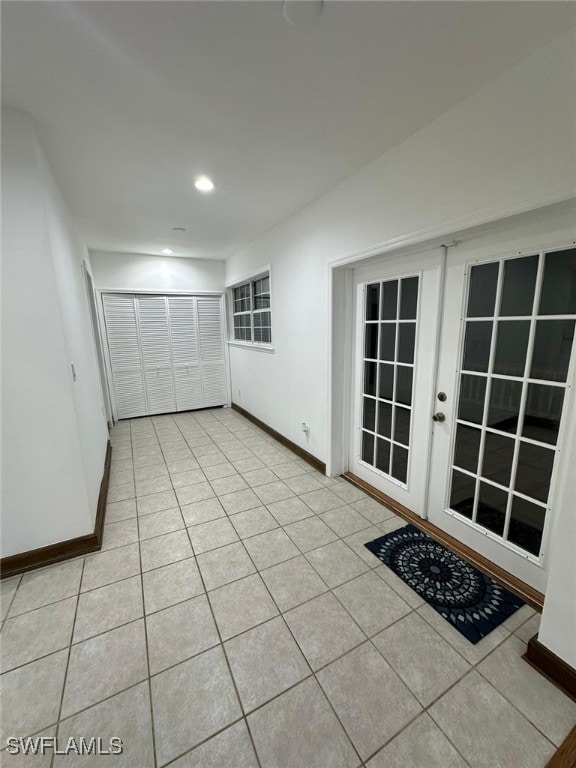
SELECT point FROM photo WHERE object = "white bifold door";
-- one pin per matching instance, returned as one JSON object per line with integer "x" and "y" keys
{"x": 167, "y": 353}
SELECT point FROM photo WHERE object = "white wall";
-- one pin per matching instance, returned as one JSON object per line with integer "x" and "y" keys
{"x": 53, "y": 430}
{"x": 135, "y": 272}
{"x": 508, "y": 148}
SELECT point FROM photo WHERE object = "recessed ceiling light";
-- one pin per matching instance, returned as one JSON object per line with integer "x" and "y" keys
{"x": 167, "y": 251}
{"x": 178, "y": 229}
{"x": 204, "y": 184}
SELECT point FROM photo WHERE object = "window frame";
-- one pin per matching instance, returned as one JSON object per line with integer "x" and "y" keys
{"x": 252, "y": 311}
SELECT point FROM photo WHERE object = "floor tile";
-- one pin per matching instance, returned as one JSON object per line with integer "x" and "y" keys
{"x": 497, "y": 734}
{"x": 257, "y": 477}
{"x": 107, "y": 607}
{"x": 146, "y": 473}
{"x": 197, "y": 492}
{"x": 372, "y": 603}
{"x": 121, "y": 492}
{"x": 322, "y": 500}
{"x": 354, "y": 685}
{"x": 171, "y": 584}
{"x": 336, "y": 563}
{"x": 104, "y": 665}
{"x": 293, "y": 582}
{"x": 30, "y": 760}
{"x": 191, "y": 702}
{"x": 229, "y": 484}
{"x": 265, "y": 661}
{"x": 270, "y": 548}
{"x": 119, "y": 534}
{"x": 421, "y": 745}
{"x": 303, "y": 483}
{"x": 425, "y": 662}
{"x": 191, "y": 477}
{"x": 153, "y": 485}
{"x": 290, "y": 510}
{"x": 31, "y": 696}
{"x": 530, "y": 628}
{"x": 357, "y": 541}
{"x": 121, "y": 477}
{"x": 8, "y": 589}
{"x": 219, "y": 470}
{"x": 47, "y": 585}
{"x": 271, "y": 492}
{"x": 239, "y": 501}
{"x": 372, "y": 510}
{"x": 125, "y": 716}
{"x": 175, "y": 466}
{"x": 344, "y": 520}
{"x": 241, "y": 605}
{"x": 212, "y": 460}
{"x": 163, "y": 550}
{"x": 253, "y": 522}
{"x": 323, "y": 630}
{"x": 310, "y": 533}
{"x": 288, "y": 470}
{"x": 518, "y": 618}
{"x": 158, "y": 523}
{"x": 216, "y": 533}
{"x": 156, "y": 502}
{"x": 299, "y": 730}
{"x": 177, "y": 633}
{"x": 225, "y": 564}
{"x": 472, "y": 653}
{"x": 540, "y": 701}
{"x": 400, "y": 587}
{"x": 120, "y": 510}
{"x": 37, "y": 633}
{"x": 232, "y": 747}
{"x": 347, "y": 492}
{"x": 202, "y": 511}
{"x": 247, "y": 464}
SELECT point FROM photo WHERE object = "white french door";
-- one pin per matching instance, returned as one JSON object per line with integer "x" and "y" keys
{"x": 397, "y": 314}
{"x": 463, "y": 379}
{"x": 506, "y": 364}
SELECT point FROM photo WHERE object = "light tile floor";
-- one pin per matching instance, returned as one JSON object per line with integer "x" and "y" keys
{"x": 234, "y": 619}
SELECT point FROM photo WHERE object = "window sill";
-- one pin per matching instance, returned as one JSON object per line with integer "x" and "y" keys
{"x": 249, "y": 345}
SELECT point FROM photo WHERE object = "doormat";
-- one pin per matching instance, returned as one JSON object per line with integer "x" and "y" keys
{"x": 473, "y": 603}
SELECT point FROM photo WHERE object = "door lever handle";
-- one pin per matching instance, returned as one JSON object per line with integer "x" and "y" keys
{"x": 439, "y": 417}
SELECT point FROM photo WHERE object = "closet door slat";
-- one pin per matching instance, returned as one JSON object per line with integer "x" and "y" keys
{"x": 185, "y": 356}
{"x": 212, "y": 361}
{"x": 156, "y": 353}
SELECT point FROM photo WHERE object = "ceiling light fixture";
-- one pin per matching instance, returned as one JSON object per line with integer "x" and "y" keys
{"x": 204, "y": 184}
{"x": 167, "y": 251}
{"x": 178, "y": 229}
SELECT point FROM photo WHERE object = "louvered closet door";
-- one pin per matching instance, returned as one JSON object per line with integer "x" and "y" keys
{"x": 125, "y": 360}
{"x": 185, "y": 355}
{"x": 211, "y": 335}
{"x": 156, "y": 353}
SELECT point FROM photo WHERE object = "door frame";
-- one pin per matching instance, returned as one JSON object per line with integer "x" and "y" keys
{"x": 104, "y": 338}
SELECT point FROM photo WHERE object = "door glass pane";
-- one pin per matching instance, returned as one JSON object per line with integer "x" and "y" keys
{"x": 462, "y": 493}
{"x": 467, "y": 449}
{"x": 504, "y": 406}
{"x": 497, "y": 459}
{"x": 526, "y": 525}
{"x": 534, "y": 471}
{"x": 408, "y": 298}
{"x": 406, "y": 342}
{"x": 383, "y": 456}
{"x": 552, "y": 347}
{"x": 399, "y": 463}
{"x": 404, "y": 385}
{"x": 371, "y": 341}
{"x": 402, "y": 425}
{"x": 511, "y": 347}
{"x": 472, "y": 397}
{"x": 370, "y": 379}
{"x": 384, "y": 419}
{"x": 491, "y": 512}
{"x": 372, "y": 301}
{"x": 389, "y": 300}
{"x": 369, "y": 416}
{"x": 518, "y": 287}
{"x": 387, "y": 341}
{"x": 558, "y": 295}
{"x": 482, "y": 291}
{"x": 543, "y": 411}
{"x": 367, "y": 447}
{"x": 477, "y": 346}
{"x": 386, "y": 382}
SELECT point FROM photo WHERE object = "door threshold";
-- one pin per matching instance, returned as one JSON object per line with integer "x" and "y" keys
{"x": 531, "y": 596}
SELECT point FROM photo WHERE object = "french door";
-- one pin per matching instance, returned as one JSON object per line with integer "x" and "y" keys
{"x": 461, "y": 404}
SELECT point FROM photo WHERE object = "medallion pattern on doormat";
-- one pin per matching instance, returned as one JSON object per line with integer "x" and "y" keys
{"x": 473, "y": 603}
